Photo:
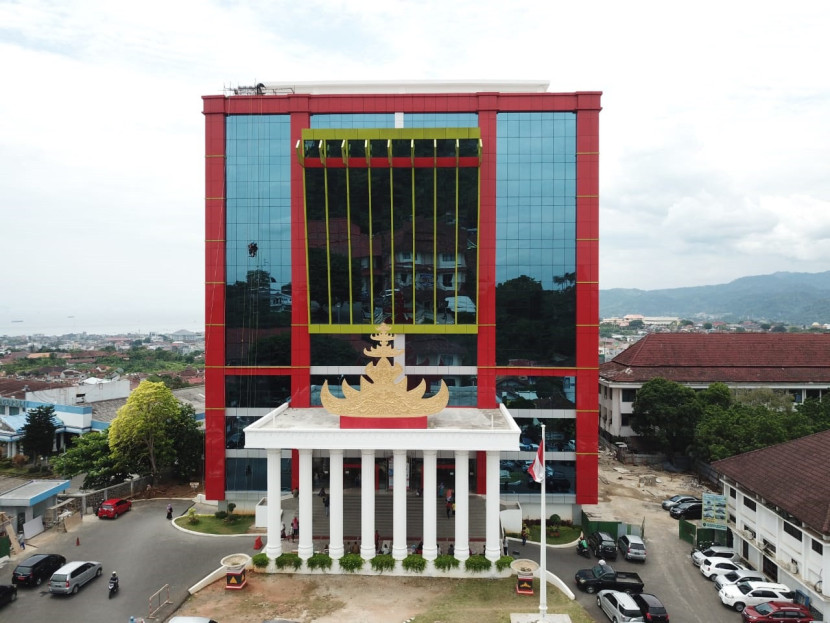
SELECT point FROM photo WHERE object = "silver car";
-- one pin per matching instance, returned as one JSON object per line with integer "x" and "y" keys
{"x": 73, "y": 575}
{"x": 619, "y": 607}
{"x": 733, "y": 577}
{"x": 632, "y": 547}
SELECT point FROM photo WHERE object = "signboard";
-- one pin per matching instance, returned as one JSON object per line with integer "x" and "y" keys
{"x": 715, "y": 513}
{"x": 524, "y": 584}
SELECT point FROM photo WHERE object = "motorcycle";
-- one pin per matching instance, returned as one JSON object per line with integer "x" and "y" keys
{"x": 113, "y": 586}
{"x": 583, "y": 551}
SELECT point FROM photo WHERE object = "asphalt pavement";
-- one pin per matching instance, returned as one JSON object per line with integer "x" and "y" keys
{"x": 147, "y": 551}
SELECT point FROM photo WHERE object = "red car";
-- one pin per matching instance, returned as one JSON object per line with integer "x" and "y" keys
{"x": 113, "y": 508}
{"x": 771, "y": 611}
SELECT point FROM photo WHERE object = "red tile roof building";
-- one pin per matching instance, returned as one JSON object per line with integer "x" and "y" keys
{"x": 798, "y": 363}
{"x": 778, "y": 501}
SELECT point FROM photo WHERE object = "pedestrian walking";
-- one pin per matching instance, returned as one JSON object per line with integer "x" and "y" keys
{"x": 524, "y": 536}
{"x": 505, "y": 545}
{"x": 291, "y": 532}
{"x": 169, "y": 511}
{"x": 326, "y": 505}
{"x": 449, "y": 508}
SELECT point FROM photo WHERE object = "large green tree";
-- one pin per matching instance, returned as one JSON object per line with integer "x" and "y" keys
{"x": 90, "y": 455}
{"x": 139, "y": 433}
{"x": 665, "y": 414}
{"x": 188, "y": 443}
{"x": 39, "y": 432}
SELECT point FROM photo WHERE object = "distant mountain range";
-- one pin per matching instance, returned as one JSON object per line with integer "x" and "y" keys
{"x": 791, "y": 298}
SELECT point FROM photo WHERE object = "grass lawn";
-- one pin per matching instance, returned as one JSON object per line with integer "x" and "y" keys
{"x": 492, "y": 601}
{"x": 208, "y": 524}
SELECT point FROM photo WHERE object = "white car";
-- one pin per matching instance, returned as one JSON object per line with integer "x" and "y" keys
{"x": 619, "y": 606}
{"x": 743, "y": 594}
{"x": 714, "y": 551}
{"x": 733, "y": 577}
{"x": 713, "y": 567}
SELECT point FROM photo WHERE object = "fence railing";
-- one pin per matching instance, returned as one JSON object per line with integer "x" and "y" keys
{"x": 89, "y": 501}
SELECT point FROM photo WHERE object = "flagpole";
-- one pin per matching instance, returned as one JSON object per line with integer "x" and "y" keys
{"x": 543, "y": 546}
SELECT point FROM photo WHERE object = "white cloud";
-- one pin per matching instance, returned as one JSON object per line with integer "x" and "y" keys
{"x": 714, "y": 133}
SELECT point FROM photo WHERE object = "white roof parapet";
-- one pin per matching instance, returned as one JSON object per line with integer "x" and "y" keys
{"x": 451, "y": 429}
{"x": 407, "y": 86}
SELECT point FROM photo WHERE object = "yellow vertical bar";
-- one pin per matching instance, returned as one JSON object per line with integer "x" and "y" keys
{"x": 434, "y": 231}
{"x": 344, "y": 150}
{"x": 371, "y": 234}
{"x": 328, "y": 238}
{"x": 455, "y": 285}
{"x": 412, "y": 165}
{"x": 391, "y": 227}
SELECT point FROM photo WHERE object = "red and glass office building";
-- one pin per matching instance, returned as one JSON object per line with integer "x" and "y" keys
{"x": 464, "y": 215}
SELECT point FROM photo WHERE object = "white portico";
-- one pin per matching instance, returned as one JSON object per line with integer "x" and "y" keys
{"x": 459, "y": 431}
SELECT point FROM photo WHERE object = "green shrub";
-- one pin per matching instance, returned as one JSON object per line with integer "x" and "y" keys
{"x": 284, "y": 561}
{"x": 445, "y": 562}
{"x": 192, "y": 517}
{"x": 260, "y": 560}
{"x": 415, "y": 562}
{"x": 319, "y": 561}
{"x": 504, "y": 562}
{"x": 221, "y": 514}
{"x": 477, "y": 563}
{"x": 555, "y": 520}
{"x": 351, "y": 562}
{"x": 383, "y": 562}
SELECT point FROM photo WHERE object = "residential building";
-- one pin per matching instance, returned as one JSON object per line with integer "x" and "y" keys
{"x": 778, "y": 501}
{"x": 464, "y": 215}
{"x": 796, "y": 363}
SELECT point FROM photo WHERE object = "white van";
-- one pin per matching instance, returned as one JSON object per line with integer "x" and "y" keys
{"x": 744, "y": 594}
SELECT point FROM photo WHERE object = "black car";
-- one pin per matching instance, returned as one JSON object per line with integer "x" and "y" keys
{"x": 652, "y": 608}
{"x": 35, "y": 569}
{"x": 8, "y": 593}
{"x": 678, "y": 499}
{"x": 687, "y": 510}
{"x": 602, "y": 545}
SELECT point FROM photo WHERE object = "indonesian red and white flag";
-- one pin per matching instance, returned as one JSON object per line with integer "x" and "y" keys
{"x": 537, "y": 470}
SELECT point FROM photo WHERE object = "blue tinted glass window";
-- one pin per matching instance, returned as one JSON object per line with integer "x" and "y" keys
{"x": 536, "y": 238}
{"x": 326, "y": 122}
{"x": 258, "y": 239}
{"x": 440, "y": 120}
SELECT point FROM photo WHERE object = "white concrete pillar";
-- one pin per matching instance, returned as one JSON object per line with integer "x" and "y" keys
{"x": 274, "y": 510}
{"x": 336, "y": 504}
{"x": 367, "y": 504}
{"x": 462, "y": 505}
{"x": 399, "y": 549}
{"x": 305, "y": 547}
{"x": 493, "y": 543}
{"x": 430, "y": 495}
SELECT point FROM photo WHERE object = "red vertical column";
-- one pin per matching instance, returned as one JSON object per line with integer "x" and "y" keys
{"x": 487, "y": 256}
{"x": 300, "y": 342}
{"x": 215, "y": 214}
{"x": 587, "y": 299}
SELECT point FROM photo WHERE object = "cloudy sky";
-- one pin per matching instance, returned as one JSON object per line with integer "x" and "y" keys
{"x": 715, "y": 133}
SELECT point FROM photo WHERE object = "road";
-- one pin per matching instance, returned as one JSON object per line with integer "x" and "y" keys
{"x": 145, "y": 550}
{"x": 668, "y": 573}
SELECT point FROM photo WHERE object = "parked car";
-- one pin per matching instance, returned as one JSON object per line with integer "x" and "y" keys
{"x": 554, "y": 481}
{"x": 632, "y": 547}
{"x": 35, "y": 569}
{"x": 652, "y": 608}
{"x": 619, "y": 607}
{"x": 191, "y": 620}
{"x": 113, "y": 508}
{"x": 601, "y": 577}
{"x": 678, "y": 499}
{"x": 743, "y": 594}
{"x": 733, "y": 577}
{"x": 8, "y": 593}
{"x": 602, "y": 545}
{"x": 714, "y": 551}
{"x": 73, "y": 575}
{"x": 712, "y": 567}
{"x": 687, "y": 510}
{"x": 777, "y": 611}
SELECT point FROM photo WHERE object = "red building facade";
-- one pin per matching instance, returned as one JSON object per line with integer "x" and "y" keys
{"x": 464, "y": 215}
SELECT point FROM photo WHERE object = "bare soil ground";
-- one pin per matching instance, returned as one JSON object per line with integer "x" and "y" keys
{"x": 628, "y": 493}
